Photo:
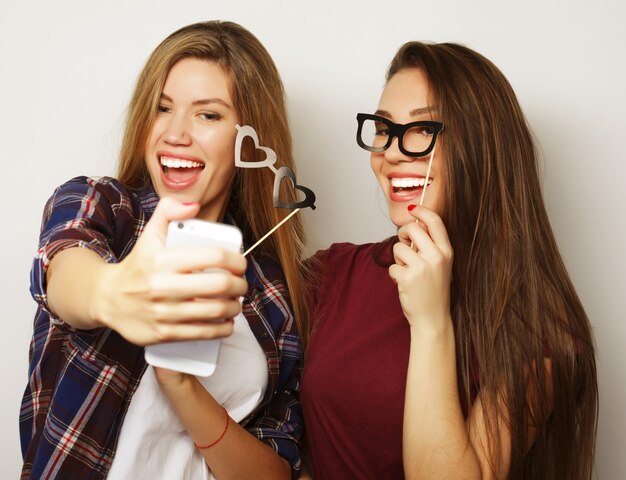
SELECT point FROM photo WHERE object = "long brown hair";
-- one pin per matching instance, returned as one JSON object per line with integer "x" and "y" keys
{"x": 259, "y": 100}
{"x": 513, "y": 303}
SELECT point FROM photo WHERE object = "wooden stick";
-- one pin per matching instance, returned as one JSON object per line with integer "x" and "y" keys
{"x": 271, "y": 231}
{"x": 430, "y": 164}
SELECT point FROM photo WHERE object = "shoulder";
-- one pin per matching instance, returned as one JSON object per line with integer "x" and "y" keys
{"x": 111, "y": 189}
{"x": 101, "y": 184}
{"x": 351, "y": 254}
{"x": 86, "y": 196}
{"x": 96, "y": 211}
{"x": 340, "y": 251}
{"x": 105, "y": 185}
{"x": 333, "y": 270}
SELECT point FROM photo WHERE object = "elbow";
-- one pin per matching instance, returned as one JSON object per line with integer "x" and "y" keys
{"x": 437, "y": 466}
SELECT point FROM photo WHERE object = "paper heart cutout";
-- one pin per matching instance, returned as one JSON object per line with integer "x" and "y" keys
{"x": 309, "y": 196}
{"x": 248, "y": 131}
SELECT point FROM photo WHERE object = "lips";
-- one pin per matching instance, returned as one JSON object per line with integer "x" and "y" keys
{"x": 179, "y": 171}
{"x": 404, "y": 188}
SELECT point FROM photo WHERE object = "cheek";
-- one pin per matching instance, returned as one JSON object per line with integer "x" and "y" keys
{"x": 219, "y": 144}
{"x": 227, "y": 150}
{"x": 434, "y": 199}
{"x": 376, "y": 164}
{"x": 155, "y": 132}
{"x": 150, "y": 150}
{"x": 149, "y": 154}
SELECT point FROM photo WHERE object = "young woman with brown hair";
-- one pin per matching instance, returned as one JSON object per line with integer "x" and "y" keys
{"x": 458, "y": 349}
{"x": 106, "y": 286}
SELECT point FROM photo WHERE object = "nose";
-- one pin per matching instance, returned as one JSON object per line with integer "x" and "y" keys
{"x": 177, "y": 131}
{"x": 393, "y": 154}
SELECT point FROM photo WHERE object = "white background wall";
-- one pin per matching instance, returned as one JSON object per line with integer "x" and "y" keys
{"x": 67, "y": 69}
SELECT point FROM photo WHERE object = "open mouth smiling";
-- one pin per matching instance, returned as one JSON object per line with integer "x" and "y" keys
{"x": 408, "y": 184}
{"x": 180, "y": 170}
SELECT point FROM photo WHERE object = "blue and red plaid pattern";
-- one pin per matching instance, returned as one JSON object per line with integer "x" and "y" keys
{"x": 81, "y": 382}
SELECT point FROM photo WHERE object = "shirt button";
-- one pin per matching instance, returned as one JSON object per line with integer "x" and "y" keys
{"x": 264, "y": 335}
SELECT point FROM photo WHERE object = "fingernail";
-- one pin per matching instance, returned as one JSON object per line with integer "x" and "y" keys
{"x": 410, "y": 207}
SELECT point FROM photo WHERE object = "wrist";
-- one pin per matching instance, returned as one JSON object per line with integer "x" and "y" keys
{"x": 440, "y": 328}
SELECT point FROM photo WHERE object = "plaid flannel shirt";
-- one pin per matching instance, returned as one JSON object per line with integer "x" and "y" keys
{"x": 81, "y": 381}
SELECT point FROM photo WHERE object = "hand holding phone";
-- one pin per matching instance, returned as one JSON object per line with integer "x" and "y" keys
{"x": 196, "y": 357}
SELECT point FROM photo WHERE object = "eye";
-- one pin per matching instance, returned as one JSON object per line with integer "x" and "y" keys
{"x": 210, "y": 116}
{"x": 163, "y": 109}
{"x": 427, "y": 131}
{"x": 382, "y": 129}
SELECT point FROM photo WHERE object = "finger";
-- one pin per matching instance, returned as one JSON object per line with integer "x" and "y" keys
{"x": 196, "y": 310}
{"x": 434, "y": 226}
{"x": 413, "y": 234}
{"x": 193, "y": 331}
{"x": 190, "y": 259}
{"x": 216, "y": 284}
{"x": 166, "y": 210}
{"x": 405, "y": 238}
{"x": 395, "y": 273}
{"x": 404, "y": 255}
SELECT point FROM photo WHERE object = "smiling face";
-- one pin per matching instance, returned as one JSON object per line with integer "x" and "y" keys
{"x": 402, "y": 178}
{"x": 191, "y": 148}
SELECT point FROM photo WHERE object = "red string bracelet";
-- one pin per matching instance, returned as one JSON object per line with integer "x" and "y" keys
{"x": 220, "y": 437}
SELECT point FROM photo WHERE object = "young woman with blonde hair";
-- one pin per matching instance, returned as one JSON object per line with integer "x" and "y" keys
{"x": 106, "y": 286}
{"x": 458, "y": 349}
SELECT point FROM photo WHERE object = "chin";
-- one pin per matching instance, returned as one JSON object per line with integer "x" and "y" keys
{"x": 400, "y": 218}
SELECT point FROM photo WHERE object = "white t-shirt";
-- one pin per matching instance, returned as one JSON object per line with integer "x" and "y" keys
{"x": 154, "y": 444}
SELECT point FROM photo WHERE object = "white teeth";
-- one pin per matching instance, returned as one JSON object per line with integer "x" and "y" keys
{"x": 177, "y": 163}
{"x": 409, "y": 182}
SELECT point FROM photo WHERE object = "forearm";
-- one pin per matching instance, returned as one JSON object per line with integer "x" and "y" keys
{"x": 435, "y": 437}
{"x": 238, "y": 454}
{"x": 74, "y": 278}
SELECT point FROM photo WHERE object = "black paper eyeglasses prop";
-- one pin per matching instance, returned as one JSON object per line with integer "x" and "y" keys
{"x": 282, "y": 172}
{"x": 415, "y": 139}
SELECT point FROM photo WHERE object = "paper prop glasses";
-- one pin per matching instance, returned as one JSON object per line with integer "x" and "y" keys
{"x": 280, "y": 174}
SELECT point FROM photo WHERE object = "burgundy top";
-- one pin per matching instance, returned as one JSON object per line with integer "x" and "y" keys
{"x": 354, "y": 376}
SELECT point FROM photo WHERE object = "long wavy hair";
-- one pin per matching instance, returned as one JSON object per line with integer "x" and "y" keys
{"x": 513, "y": 303}
{"x": 259, "y": 100}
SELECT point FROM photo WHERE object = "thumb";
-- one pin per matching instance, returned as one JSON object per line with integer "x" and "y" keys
{"x": 166, "y": 210}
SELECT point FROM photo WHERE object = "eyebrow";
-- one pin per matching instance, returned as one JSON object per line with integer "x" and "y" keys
{"x": 413, "y": 113}
{"x": 203, "y": 101}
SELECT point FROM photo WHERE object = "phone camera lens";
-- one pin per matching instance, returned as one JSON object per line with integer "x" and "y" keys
{"x": 181, "y": 225}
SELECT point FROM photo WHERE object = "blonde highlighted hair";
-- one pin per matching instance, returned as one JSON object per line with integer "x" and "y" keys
{"x": 259, "y": 100}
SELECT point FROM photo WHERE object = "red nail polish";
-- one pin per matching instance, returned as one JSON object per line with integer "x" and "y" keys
{"x": 410, "y": 207}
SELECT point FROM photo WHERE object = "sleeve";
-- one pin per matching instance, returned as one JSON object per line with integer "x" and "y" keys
{"x": 78, "y": 214}
{"x": 280, "y": 424}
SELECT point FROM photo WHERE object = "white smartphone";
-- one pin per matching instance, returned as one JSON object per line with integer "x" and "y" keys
{"x": 196, "y": 357}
